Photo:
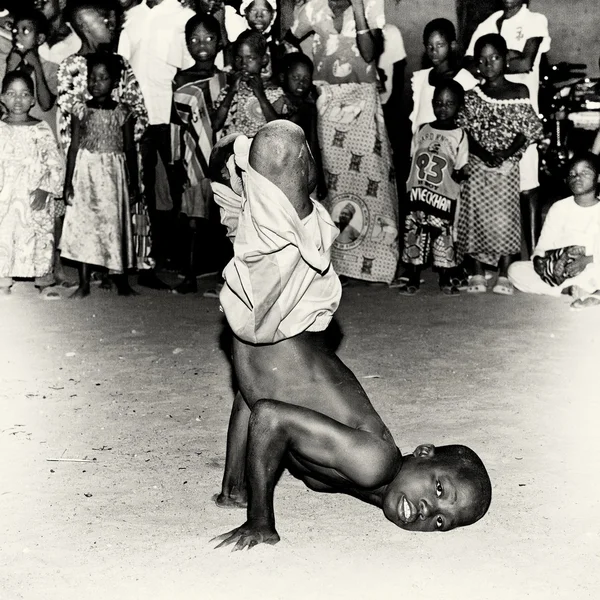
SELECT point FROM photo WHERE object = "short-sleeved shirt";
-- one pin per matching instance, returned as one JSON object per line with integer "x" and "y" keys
{"x": 437, "y": 154}
{"x": 516, "y": 31}
{"x": 336, "y": 55}
{"x": 153, "y": 41}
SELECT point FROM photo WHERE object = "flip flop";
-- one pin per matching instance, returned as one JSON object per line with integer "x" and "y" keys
{"x": 503, "y": 287}
{"x": 450, "y": 290}
{"x": 408, "y": 290}
{"x": 477, "y": 285}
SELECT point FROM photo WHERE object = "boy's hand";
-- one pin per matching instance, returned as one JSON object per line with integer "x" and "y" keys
{"x": 38, "y": 199}
{"x": 68, "y": 194}
{"x": 494, "y": 160}
{"x": 248, "y": 536}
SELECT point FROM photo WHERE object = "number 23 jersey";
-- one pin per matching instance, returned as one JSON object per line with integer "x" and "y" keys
{"x": 436, "y": 154}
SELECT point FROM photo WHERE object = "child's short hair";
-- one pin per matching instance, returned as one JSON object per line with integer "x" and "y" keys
{"x": 442, "y": 26}
{"x": 251, "y": 38}
{"x": 16, "y": 76}
{"x": 36, "y": 17}
{"x": 104, "y": 7}
{"x": 454, "y": 87}
{"x": 296, "y": 58}
{"x": 112, "y": 62}
{"x": 589, "y": 157}
{"x": 491, "y": 39}
{"x": 210, "y": 24}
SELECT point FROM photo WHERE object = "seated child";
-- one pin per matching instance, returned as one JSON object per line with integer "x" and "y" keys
{"x": 31, "y": 173}
{"x": 567, "y": 257}
{"x": 440, "y": 152}
{"x": 246, "y": 103}
{"x": 194, "y": 101}
{"x": 298, "y": 104}
{"x": 279, "y": 297}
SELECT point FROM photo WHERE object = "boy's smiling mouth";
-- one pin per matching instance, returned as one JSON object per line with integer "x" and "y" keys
{"x": 406, "y": 511}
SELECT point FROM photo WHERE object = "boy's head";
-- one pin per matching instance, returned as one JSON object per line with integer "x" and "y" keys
{"x": 208, "y": 7}
{"x": 296, "y": 74}
{"x": 439, "y": 39}
{"x": 583, "y": 172}
{"x": 203, "y": 37}
{"x": 250, "y": 52}
{"x": 259, "y": 14}
{"x": 104, "y": 71}
{"x": 51, "y": 9}
{"x": 448, "y": 97}
{"x": 512, "y": 4}
{"x": 30, "y": 29}
{"x": 17, "y": 93}
{"x": 438, "y": 489}
{"x": 97, "y": 22}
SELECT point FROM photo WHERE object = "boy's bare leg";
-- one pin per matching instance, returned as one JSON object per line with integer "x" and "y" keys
{"x": 233, "y": 489}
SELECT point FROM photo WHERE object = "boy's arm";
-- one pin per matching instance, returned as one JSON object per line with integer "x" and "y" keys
{"x": 71, "y": 157}
{"x": 361, "y": 458}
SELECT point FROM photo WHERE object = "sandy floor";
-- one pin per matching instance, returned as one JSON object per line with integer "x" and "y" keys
{"x": 141, "y": 388}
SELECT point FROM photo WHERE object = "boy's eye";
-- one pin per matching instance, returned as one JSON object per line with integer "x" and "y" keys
{"x": 439, "y": 490}
{"x": 439, "y": 523}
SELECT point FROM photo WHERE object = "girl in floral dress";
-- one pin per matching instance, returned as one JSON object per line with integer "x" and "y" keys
{"x": 96, "y": 24}
{"x": 31, "y": 173}
{"x": 500, "y": 122}
{"x": 101, "y": 177}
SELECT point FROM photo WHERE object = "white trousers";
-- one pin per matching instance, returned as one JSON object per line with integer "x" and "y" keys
{"x": 523, "y": 276}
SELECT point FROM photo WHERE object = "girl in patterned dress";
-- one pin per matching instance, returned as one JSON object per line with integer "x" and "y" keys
{"x": 500, "y": 122}
{"x": 31, "y": 173}
{"x": 246, "y": 103}
{"x": 101, "y": 177}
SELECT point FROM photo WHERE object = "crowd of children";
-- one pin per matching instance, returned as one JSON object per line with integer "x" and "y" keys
{"x": 111, "y": 109}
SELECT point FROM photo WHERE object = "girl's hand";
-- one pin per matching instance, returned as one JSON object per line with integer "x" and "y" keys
{"x": 68, "y": 194}
{"x": 495, "y": 160}
{"x": 38, "y": 199}
{"x": 234, "y": 79}
{"x": 255, "y": 84}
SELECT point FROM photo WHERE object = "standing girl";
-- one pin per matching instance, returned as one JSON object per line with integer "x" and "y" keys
{"x": 31, "y": 172}
{"x": 500, "y": 123}
{"x": 101, "y": 166}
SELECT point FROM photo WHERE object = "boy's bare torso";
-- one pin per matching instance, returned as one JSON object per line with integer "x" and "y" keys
{"x": 305, "y": 372}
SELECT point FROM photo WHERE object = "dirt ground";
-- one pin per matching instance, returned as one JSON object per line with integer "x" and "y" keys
{"x": 141, "y": 389}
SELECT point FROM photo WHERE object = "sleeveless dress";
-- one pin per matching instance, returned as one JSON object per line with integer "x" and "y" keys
{"x": 97, "y": 227}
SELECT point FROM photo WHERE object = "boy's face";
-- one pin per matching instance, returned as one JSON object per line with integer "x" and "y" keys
{"x": 202, "y": 44}
{"x": 512, "y": 4}
{"x": 18, "y": 98}
{"x": 259, "y": 15}
{"x": 445, "y": 105}
{"x": 99, "y": 82}
{"x": 437, "y": 48}
{"x": 25, "y": 37}
{"x": 297, "y": 80}
{"x": 102, "y": 28}
{"x": 582, "y": 178}
{"x": 209, "y": 7}
{"x": 427, "y": 495}
{"x": 249, "y": 60}
{"x": 50, "y": 8}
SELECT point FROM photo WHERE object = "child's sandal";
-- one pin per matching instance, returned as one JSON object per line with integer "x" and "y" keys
{"x": 408, "y": 289}
{"x": 503, "y": 287}
{"x": 477, "y": 285}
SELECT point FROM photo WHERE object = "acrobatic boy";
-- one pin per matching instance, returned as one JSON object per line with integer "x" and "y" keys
{"x": 298, "y": 405}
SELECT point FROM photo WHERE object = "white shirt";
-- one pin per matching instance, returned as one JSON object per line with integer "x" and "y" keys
{"x": 393, "y": 52}
{"x": 153, "y": 41}
{"x": 516, "y": 31}
{"x": 61, "y": 50}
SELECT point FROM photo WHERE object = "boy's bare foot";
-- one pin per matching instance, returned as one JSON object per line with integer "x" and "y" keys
{"x": 80, "y": 292}
{"x": 576, "y": 292}
{"x": 231, "y": 500}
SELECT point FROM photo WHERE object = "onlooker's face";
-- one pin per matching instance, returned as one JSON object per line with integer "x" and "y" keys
{"x": 445, "y": 105}
{"x": 437, "y": 48}
{"x": 259, "y": 15}
{"x": 202, "y": 44}
{"x": 51, "y": 9}
{"x": 208, "y": 7}
{"x": 102, "y": 28}
{"x": 512, "y": 5}
{"x": 18, "y": 98}
{"x": 100, "y": 82}
{"x": 345, "y": 216}
{"x": 582, "y": 178}
{"x": 297, "y": 80}
{"x": 24, "y": 35}
{"x": 248, "y": 60}
{"x": 491, "y": 62}
{"x": 127, "y": 4}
